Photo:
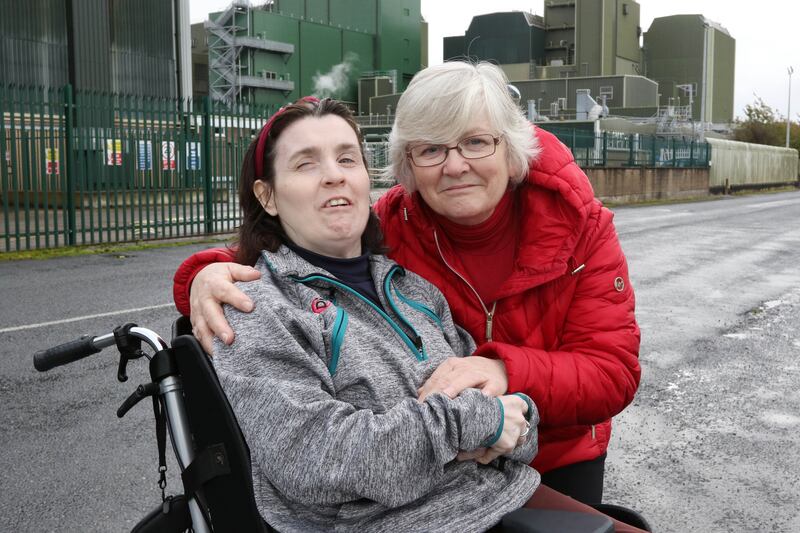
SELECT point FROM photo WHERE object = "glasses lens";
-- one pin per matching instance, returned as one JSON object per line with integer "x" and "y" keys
{"x": 428, "y": 154}
{"x": 477, "y": 146}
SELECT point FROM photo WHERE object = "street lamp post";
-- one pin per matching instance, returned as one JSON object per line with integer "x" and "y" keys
{"x": 790, "y": 70}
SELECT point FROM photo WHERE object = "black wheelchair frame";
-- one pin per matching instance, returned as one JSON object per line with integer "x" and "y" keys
{"x": 210, "y": 449}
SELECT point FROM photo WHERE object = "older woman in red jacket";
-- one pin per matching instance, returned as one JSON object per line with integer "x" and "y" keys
{"x": 499, "y": 217}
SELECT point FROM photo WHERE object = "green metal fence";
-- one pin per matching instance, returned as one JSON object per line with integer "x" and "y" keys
{"x": 612, "y": 149}
{"x": 89, "y": 167}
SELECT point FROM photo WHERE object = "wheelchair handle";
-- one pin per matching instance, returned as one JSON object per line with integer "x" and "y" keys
{"x": 66, "y": 353}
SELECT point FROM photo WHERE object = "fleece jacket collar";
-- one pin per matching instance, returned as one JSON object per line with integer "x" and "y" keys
{"x": 285, "y": 263}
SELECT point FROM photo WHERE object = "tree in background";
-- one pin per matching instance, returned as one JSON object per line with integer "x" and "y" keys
{"x": 764, "y": 125}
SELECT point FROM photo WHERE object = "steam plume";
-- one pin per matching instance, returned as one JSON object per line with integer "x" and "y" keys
{"x": 334, "y": 82}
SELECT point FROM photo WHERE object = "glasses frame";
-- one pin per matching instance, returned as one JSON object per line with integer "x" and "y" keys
{"x": 457, "y": 148}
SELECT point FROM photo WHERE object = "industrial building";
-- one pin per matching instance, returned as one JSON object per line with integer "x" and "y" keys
{"x": 515, "y": 40}
{"x": 684, "y": 72}
{"x": 692, "y": 59}
{"x": 574, "y": 38}
{"x": 633, "y": 96}
{"x": 111, "y": 46}
{"x": 276, "y": 52}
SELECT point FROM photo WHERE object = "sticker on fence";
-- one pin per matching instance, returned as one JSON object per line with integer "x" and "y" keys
{"x": 114, "y": 152}
{"x": 192, "y": 156}
{"x": 144, "y": 151}
{"x": 167, "y": 155}
{"x": 51, "y": 159}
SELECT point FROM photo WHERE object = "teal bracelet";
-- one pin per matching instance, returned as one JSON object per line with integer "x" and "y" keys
{"x": 527, "y": 399}
{"x": 499, "y": 432}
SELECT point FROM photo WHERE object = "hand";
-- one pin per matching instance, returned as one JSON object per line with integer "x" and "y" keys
{"x": 459, "y": 373}
{"x": 514, "y": 425}
{"x": 212, "y": 287}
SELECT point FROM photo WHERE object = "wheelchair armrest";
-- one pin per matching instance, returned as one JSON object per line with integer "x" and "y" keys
{"x": 547, "y": 521}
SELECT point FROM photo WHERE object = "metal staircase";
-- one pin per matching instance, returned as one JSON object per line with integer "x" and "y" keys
{"x": 225, "y": 48}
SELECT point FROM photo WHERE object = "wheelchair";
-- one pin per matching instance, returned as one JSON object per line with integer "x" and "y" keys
{"x": 189, "y": 404}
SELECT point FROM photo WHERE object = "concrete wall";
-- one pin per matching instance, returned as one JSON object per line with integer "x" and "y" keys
{"x": 740, "y": 165}
{"x": 640, "y": 184}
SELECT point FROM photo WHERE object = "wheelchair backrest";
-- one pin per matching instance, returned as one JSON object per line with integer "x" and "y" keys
{"x": 228, "y": 498}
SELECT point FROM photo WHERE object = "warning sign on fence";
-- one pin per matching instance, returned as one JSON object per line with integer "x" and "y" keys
{"x": 114, "y": 152}
{"x": 168, "y": 155}
{"x": 51, "y": 160}
{"x": 145, "y": 155}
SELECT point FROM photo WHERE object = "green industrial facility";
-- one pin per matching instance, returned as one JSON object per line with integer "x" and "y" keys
{"x": 684, "y": 71}
{"x": 284, "y": 49}
{"x": 574, "y": 38}
{"x": 692, "y": 59}
{"x": 111, "y": 46}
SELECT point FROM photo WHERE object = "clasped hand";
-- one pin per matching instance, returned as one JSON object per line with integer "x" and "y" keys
{"x": 516, "y": 431}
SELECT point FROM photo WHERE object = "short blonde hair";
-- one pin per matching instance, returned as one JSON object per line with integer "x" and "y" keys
{"x": 439, "y": 105}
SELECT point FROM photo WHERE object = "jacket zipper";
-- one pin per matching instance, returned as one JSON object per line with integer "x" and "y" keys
{"x": 420, "y": 307}
{"x": 413, "y": 340}
{"x": 489, "y": 314}
{"x": 387, "y": 291}
{"x": 339, "y": 328}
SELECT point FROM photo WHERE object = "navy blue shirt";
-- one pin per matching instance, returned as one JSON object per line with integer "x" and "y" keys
{"x": 354, "y": 272}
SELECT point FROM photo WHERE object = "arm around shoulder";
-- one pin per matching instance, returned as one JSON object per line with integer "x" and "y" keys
{"x": 184, "y": 276}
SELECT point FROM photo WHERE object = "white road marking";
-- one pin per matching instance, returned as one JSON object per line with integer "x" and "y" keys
{"x": 776, "y": 203}
{"x": 86, "y": 317}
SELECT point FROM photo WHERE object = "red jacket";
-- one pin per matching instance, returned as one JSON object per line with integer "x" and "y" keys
{"x": 564, "y": 323}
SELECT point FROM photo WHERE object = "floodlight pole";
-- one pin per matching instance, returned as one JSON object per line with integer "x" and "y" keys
{"x": 790, "y": 70}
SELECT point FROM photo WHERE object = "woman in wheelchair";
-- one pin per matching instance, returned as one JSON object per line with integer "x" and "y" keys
{"x": 324, "y": 373}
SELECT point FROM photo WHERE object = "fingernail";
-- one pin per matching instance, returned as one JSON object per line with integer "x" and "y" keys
{"x": 248, "y": 306}
{"x": 225, "y": 338}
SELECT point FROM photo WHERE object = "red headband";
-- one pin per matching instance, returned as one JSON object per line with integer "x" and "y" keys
{"x": 262, "y": 137}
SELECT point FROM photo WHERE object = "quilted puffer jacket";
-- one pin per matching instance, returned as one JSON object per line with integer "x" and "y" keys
{"x": 564, "y": 320}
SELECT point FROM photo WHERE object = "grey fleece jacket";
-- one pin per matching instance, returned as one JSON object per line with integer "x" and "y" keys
{"x": 324, "y": 385}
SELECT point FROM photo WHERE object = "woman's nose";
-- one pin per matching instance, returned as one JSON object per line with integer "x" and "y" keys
{"x": 332, "y": 174}
{"x": 455, "y": 164}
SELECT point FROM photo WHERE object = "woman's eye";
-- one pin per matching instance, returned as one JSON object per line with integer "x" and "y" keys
{"x": 431, "y": 150}
{"x": 475, "y": 141}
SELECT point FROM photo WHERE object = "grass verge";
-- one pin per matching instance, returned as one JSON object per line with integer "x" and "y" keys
{"x": 110, "y": 248}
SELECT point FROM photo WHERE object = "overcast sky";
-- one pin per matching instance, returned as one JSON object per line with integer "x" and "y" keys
{"x": 767, "y": 35}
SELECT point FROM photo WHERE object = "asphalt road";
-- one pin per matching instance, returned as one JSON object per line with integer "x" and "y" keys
{"x": 709, "y": 444}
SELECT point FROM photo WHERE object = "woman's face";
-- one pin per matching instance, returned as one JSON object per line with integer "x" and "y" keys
{"x": 321, "y": 187}
{"x": 465, "y": 191}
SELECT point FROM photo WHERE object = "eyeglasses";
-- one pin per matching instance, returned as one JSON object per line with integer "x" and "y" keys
{"x": 474, "y": 147}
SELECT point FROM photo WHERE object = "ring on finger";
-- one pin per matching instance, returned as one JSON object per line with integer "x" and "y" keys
{"x": 527, "y": 430}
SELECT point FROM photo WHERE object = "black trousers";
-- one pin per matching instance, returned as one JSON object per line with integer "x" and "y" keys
{"x": 582, "y": 481}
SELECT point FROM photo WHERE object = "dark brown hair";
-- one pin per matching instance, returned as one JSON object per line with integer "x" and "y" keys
{"x": 260, "y": 230}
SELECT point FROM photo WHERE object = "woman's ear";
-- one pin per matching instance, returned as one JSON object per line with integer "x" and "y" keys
{"x": 265, "y": 197}
{"x": 516, "y": 173}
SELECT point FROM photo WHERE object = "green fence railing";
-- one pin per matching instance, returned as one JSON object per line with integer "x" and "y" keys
{"x": 613, "y": 149}
{"x": 89, "y": 167}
